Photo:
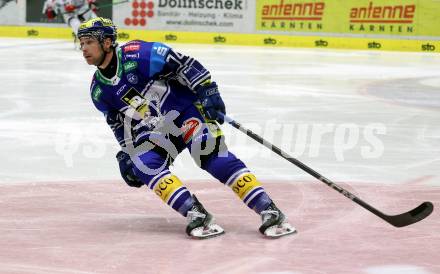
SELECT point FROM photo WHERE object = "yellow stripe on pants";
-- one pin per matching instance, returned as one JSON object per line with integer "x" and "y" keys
{"x": 167, "y": 186}
{"x": 244, "y": 184}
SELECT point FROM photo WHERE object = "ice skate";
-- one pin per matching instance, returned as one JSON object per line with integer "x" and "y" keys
{"x": 201, "y": 223}
{"x": 274, "y": 223}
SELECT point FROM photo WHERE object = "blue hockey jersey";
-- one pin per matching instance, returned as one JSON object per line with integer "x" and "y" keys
{"x": 151, "y": 80}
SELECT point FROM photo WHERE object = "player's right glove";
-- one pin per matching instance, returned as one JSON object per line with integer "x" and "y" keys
{"x": 126, "y": 167}
{"x": 211, "y": 101}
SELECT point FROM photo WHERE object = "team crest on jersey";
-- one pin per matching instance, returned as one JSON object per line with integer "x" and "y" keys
{"x": 132, "y": 78}
{"x": 190, "y": 128}
{"x": 134, "y": 99}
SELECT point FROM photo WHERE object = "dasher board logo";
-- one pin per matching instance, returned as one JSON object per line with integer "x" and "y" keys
{"x": 383, "y": 17}
{"x": 290, "y": 15}
{"x": 185, "y": 15}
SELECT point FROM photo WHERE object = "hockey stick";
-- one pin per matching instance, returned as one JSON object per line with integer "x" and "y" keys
{"x": 417, "y": 214}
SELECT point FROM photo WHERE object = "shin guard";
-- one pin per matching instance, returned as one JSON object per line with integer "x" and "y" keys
{"x": 250, "y": 191}
{"x": 171, "y": 190}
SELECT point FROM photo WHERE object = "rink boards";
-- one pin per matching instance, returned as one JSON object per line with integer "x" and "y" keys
{"x": 373, "y": 44}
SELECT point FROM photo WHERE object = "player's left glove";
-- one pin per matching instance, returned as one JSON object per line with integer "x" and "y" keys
{"x": 126, "y": 167}
{"x": 211, "y": 101}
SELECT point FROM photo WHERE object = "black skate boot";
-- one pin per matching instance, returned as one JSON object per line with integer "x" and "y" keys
{"x": 274, "y": 223}
{"x": 200, "y": 223}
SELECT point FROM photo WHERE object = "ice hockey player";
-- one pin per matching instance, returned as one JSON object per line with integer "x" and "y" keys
{"x": 74, "y": 12}
{"x": 159, "y": 102}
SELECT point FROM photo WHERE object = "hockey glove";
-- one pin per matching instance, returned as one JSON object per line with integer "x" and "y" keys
{"x": 126, "y": 167}
{"x": 69, "y": 8}
{"x": 211, "y": 101}
{"x": 50, "y": 13}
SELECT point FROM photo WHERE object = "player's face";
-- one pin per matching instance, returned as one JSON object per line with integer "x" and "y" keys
{"x": 92, "y": 50}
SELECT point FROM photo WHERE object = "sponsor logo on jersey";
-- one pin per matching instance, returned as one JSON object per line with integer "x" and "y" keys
{"x": 134, "y": 55}
{"x": 190, "y": 128}
{"x": 132, "y": 78}
{"x": 130, "y": 65}
{"x": 131, "y": 47}
{"x": 121, "y": 89}
{"x": 134, "y": 99}
{"x": 96, "y": 93}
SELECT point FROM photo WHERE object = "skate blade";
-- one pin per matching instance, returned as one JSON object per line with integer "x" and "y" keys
{"x": 278, "y": 231}
{"x": 211, "y": 231}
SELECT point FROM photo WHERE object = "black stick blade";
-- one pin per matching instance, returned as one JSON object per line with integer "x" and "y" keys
{"x": 413, "y": 216}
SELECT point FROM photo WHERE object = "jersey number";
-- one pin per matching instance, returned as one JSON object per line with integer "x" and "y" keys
{"x": 162, "y": 50}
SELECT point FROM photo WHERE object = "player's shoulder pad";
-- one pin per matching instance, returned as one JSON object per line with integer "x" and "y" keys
{"x": 158, "y": 55}
{"x": 132, "y": 48}
{"x": 159, "y": 51}
{"x": 135, "y": 53}
{"x": 136, "y": 49}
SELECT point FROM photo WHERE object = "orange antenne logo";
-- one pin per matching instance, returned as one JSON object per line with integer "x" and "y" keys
{"x": 403, "y": 14}
{"x": 293, "y": 11}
